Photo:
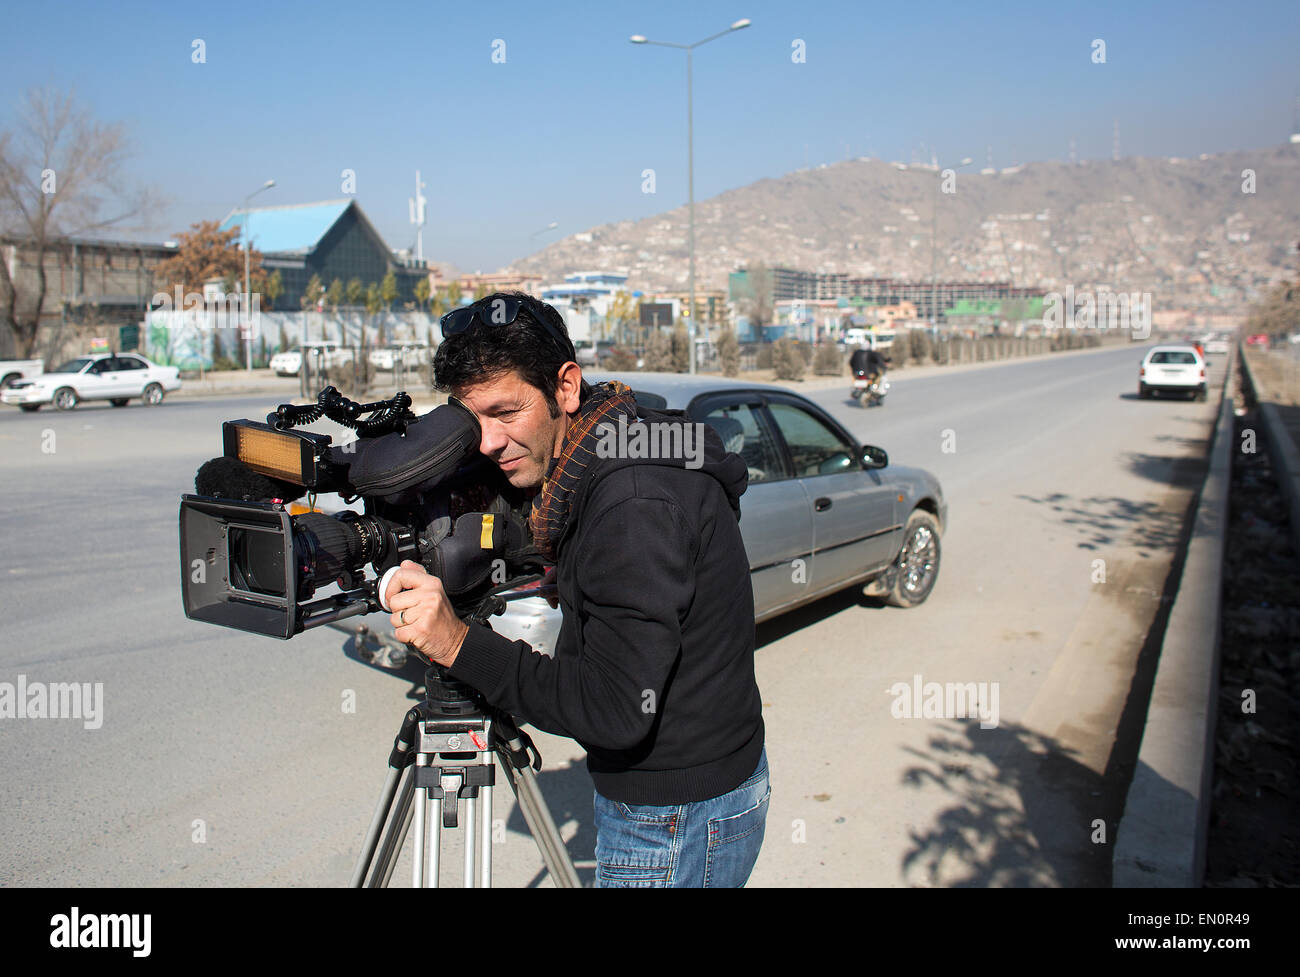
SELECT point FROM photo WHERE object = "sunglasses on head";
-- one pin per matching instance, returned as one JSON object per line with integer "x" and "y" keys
{"x": 499, "y": 310}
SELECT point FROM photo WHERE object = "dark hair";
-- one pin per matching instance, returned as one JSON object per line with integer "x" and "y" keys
{"x": 483, "y": 351}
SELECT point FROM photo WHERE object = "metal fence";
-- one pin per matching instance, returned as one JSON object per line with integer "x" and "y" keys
{"x": 351, "y": 369}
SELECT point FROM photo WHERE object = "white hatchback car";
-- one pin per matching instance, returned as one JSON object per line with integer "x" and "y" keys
{"x": 1172, "y": 369}
{"x": 288, "y": 362}
{"x": 115, "y": 377}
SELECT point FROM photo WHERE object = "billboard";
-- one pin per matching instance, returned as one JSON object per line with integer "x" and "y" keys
{"x": 656, "y": 314}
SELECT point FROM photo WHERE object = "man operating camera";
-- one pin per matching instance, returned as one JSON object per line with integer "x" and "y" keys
{"x": 653, "y": 672}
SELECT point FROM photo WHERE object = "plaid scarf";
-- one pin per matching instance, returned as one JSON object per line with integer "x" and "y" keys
{"x": 550, "y": 513}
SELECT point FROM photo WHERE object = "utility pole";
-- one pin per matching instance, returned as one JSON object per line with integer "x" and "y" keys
{"x": 417, "y": 216}
{"x": 247, "y": 302}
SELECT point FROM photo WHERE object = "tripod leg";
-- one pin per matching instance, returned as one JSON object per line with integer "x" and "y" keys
{"x": 398, "y": 826}
{"x": 542, "y": 827}
{"x": 376, "y": 825}
{"x": 435, "y": 850}
{"x": 485, "y": 840}
{"x": 421, "y": 826}
{"x": 471, "y": 838}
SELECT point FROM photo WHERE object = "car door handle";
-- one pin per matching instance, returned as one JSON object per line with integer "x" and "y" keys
{"x": 822, "y": 504}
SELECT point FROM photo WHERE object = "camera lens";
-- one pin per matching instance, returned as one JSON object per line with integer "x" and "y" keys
{"x": 257, "y": 561}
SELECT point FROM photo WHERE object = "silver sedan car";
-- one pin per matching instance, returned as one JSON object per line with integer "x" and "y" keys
{"x": 821, "y": 512}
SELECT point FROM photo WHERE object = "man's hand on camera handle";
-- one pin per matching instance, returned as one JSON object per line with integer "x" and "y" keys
{"x": 422, "y": 615}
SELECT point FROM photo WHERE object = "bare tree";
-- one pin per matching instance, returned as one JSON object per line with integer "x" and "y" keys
{"x": 756, "y": 299}
{"x": 1277, "y": 313}
{"x": 60, "y": 177}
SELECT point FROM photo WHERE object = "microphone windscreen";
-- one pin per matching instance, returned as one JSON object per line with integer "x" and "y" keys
{"x": 230, "y": 478}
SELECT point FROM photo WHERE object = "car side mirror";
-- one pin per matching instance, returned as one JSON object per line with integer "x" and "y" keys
{"x": 873, "y": 457}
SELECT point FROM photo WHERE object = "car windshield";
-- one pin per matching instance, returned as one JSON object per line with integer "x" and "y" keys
{"x": 72, "y": 366}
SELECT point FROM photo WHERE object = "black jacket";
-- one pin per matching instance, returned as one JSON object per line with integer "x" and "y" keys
{"x": 653, "y": 671}
{"x": 866, "y": 361}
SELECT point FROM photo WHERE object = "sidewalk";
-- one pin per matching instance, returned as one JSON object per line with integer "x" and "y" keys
{"x": 230, "y": 383}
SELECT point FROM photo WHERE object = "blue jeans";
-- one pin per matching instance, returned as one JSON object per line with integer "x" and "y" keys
{"x": 703, "y": 844}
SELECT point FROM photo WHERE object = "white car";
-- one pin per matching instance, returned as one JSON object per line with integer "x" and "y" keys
{"x": 287, "y": 363}
{"x": 409, "y": 354}
{"x": 320, "y": 356}
{"x": 1172, "y": 369}
{"x": 1218, "y": 345}
{"x": 115, "y": 377}
{"x": 11, "y": 370}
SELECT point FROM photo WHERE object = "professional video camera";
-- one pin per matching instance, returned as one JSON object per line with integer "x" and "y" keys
{"x": 429, "y": 496}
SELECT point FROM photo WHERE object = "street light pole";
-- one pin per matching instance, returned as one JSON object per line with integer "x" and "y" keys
{"x": 690, "y": 196}
{"x": 248, "y": 326}
{"x": 690, "y": 158}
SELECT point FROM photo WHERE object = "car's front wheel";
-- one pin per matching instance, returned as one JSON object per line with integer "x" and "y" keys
{"x": 65, "y": 398}
{"x": 153, "y": 395}
{"x": 917, "y": 566}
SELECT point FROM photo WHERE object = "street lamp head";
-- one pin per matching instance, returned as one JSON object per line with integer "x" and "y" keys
{"x": 268, "y": 184}
{"x": 966, "y": 161}
{"x": 637, "y": 39}
{"x": 742, "y": 23}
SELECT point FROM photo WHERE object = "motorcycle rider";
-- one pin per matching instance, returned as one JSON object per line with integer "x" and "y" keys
{"x": 867, "y": 361}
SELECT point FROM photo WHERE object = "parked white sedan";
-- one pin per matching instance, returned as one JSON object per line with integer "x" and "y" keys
{"x": 410, "y": 355}
{"x": 117, "y": 378}
{"x": 288, "y": 362}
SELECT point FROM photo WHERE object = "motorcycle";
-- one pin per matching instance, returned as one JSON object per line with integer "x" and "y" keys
{"x": 868, "y": 392}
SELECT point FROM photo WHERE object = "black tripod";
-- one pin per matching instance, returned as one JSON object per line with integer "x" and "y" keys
{"x": 447, "y": 742}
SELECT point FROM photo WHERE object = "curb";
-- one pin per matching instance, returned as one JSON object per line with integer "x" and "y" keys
{"x": 1161, "y": 837}
{"x": 1283, "y": 454}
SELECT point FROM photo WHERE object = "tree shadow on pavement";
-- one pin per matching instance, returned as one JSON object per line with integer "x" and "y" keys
{"x": 1103, "y": 522}
{"x": 1197, "y": 446}
{"x": 1023, "y": 812}
{"x": 1176, "y": 471}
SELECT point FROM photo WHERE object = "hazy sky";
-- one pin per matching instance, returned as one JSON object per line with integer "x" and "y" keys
{"x": 563, "y": 128}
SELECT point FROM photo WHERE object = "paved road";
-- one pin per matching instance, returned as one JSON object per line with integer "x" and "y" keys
{"x": 226, "y": 759}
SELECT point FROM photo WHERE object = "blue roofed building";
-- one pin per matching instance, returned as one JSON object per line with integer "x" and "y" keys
{"x": 583, "y": 300}
{"x": 332, "y": 239}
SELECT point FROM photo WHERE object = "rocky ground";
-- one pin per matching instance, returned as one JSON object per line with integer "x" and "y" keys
{"x": 1254, "y": 838}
